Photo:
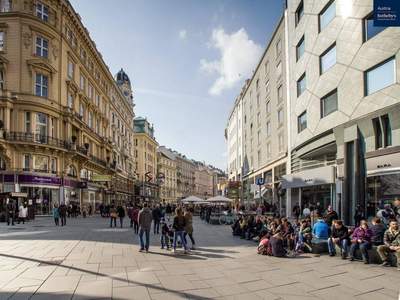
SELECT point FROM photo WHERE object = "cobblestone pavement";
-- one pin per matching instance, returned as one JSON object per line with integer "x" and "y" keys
{"x": 89, "y": 260}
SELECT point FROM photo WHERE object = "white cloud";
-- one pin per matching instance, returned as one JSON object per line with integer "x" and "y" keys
{"x": 239, "y": 55}
{"x": 182, "y": 34}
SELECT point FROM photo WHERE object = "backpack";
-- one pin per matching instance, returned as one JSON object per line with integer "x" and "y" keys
{"x": 264, "y": 248}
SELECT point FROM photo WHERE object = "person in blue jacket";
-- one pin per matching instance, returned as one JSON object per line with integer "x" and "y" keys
{"x": 320, "y": 229}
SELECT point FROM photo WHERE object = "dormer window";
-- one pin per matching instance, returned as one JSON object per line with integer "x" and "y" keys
{"x": 42, "y": 11}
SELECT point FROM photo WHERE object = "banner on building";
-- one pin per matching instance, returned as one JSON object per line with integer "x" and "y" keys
{"x": 101, "y": 178}
{"x": 386, "y": 13}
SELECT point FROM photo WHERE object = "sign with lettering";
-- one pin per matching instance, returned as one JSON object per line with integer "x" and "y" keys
{"x": 386, "y": 13}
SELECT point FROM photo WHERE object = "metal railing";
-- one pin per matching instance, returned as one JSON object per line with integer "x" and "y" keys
{"x": 36, "y": 138}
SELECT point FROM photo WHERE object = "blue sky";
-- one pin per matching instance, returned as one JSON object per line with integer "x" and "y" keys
{"x": 187, "y": 60}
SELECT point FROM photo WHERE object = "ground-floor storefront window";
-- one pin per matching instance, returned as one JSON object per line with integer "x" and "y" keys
{"x": 317, "y": 197}
{"x": 43, "y": 198}
{"x": 381, "y": 190}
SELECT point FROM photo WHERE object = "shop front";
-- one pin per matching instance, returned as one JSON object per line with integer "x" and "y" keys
{"x": 314, "y": 188}
{"x": 71, "y": 189}
{"x": 382, "y": 182}
{"x": 44, "y": 191}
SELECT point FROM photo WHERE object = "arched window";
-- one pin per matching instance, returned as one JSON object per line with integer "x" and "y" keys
{"x": 2, "y": 163}
{"x": 84, "y": 174}
{"x": 71, "y": 171}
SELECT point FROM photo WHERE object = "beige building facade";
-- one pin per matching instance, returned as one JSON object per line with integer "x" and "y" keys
{"x": 167, "y": 175}
{"x": 146, "y": 158}
{"x": 66, "y": 122}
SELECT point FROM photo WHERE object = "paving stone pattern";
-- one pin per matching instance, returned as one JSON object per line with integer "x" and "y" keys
{"x": 89, "y": 260}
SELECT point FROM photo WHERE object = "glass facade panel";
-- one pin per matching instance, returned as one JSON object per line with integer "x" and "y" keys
{"x": 380, "y": 77}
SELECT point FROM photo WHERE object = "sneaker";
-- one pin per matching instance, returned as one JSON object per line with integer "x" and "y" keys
{"x": 141, "y": 250}
{"x": 351, "y": 258}
{"x": 331, "y": 254}
{"x": 385, "y": 264}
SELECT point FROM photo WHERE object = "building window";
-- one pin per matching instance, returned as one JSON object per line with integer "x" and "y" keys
{"x": 369, "y": 29}
{"x": 300, "y": 47}
{"x": 327, "y": 15}
{"x": 268, "y": 129}
{"x": 42, "y": 11}
{"x": 90, "y": 119}
{"x": 279, "y": 69}
{"x": 2, "y": 81}
{"x": 380, "y": 76}
{"x": 329, "y": 103}
{"x": 302, "y": 122}
{"x": 387, "y": 131}
{"x": 42, "y": 47}
{"x": 5, "y": 5}
{"x": 280, "y": 143}
{"x": 90, "y": 91}
{"x": 82, "y": 83}
{"x": 41, "y": 85}
{"x": 257, "y": 84}
{"x": 40, "y": 163}
{"x": 327, "y": 59}
{"x": 269, "y": 151}
{"x": 28, "y": 122}
{"x": 41, "y": 127}
{"x": 259, "y": 137}
{"x": 299, "y": 12}
{"x": 26, "y": 162}
{"x": 301, "y": 85}
{"x": 278, "y": 47}
{"x": 70, "y": 100}
{"x": 71, "y": 69}
{"x": 53, "y": 125}
{"x": 2, "y": 40}
{"x": 280, "y": 117}
{"x": 97, "y": 100}
{"x": 280, "y": 93}
{"x": 378, "y": 133}
{"x": 81, "y": 110}
{"x": 53, "y": 165}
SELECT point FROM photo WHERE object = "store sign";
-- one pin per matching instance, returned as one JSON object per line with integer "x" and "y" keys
{"x": 317, "y": 176}
{"x": 71, "y": 183}
{"x": 386, "y": 13}
{"x": 9, "y": 178}
{"x": 101, "y": 178}
{"x": 32, "y": 179}
{"x": 381, "y": 164}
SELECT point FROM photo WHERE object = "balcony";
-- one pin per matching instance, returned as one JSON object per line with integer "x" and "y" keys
{"x": 27, "y": 137}
{"x": 98, "y": 161}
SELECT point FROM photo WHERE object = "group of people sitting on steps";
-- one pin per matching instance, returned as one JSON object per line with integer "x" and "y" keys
{"x": 279, "y": 237}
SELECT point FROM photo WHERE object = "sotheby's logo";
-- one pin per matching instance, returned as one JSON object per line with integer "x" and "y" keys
{"x": 386, "y": 13}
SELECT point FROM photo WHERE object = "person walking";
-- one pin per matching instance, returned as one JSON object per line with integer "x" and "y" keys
{"x": 113, "y": 216}
{"x": 56, "y": 215}
{"x": 10, "y": 212}
{"x": 179, "y": 227}
{"x": 189, "y": 226}
{"x": 135, "y": 216}
{"x": 63, "y": 214}
{"x": 22, "y": 213}
{"x": 129, "y": 212}
{"x": 156, "y": 218}
{"x": 144, "y": 219}
{"x": 121, "y": 214}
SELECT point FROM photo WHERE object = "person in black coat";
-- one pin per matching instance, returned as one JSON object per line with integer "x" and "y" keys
{"x": 339, "y": 236}
{"x": 121, "y": 214}
{"x": 156, "y": 219}
{"x": 378, "y": 231}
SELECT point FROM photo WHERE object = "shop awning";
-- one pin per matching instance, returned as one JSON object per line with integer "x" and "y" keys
{"x": 317, "y": 176}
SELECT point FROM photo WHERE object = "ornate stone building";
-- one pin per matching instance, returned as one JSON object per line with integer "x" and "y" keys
{"x": 167, "y": 172}
{"x": 67, "y": 126}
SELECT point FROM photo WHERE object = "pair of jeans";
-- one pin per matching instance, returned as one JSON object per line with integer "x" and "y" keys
{"x": 121, "y": 221}
{"x": 113, "y": 220}
{"x": 179, "y": 234}
{"x": 146, "y": 232}
{"x": 57, "y": 221}
{"x": 136, "y": 227}
{"x": 164, "y": 241}
{"x": 156, "y": 226}
{"x": 190, "y": 236}
{"x": 343, "y": 244}
{"x": 63, "y": 220}
{"x": 364, "y": 246}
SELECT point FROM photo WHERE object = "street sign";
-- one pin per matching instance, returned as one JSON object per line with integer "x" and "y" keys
{"x": 260, "y": 181}
{"x": 101, "y": 178}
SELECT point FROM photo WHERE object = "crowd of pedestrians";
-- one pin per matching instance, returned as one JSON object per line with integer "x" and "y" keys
{"x": 280, "y": 237}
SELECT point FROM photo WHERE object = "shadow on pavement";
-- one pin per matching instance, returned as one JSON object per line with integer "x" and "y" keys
{"x": 5, "y": 295}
